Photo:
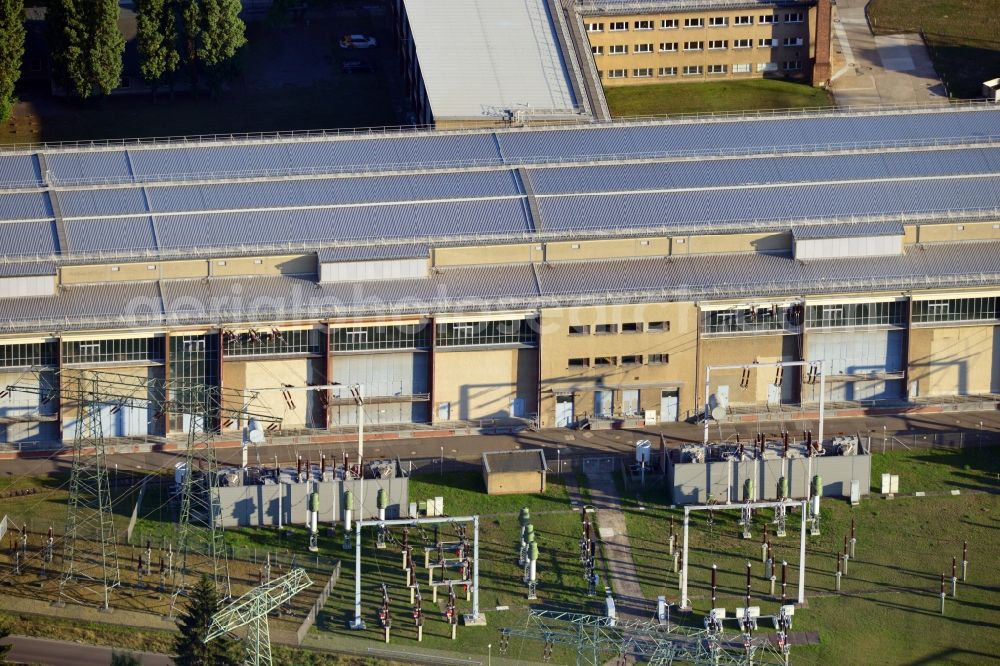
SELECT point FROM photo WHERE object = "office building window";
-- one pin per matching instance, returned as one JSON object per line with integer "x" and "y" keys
{"x": 579, "y": 363}
{"x": 658, "y": 326}
{"x": 595, "y": 27}
{"x": 741, "y": 68}
{"x": 792, "y": 41}
{"x": 605, "y": 329}
{"x": 793, "y": 65}
{"x": 667, "y": 47}
{"x": 642, "y": 72}
{"x": 716, "y": 69}
{"x": 643, "y": 48}
{"x": 667, "y": 71}
{"x": 617, "y": 73}
{"x": 717, "y": 44}
{"x": 579, "y": 329}
{"x": 597, "y": 50}
{"x": 632, "y": 359}
{"x": 658, "y": 359}
{"x": 767, "y": 19}
{"x": 718, "y": 21}
{"x": 743, "y": 20}
{"x": 632, "y": 327}
{"x": 643, "y": 25}
{"x": 668, "y": 24}
{"x": 767, "y": 67}
{"x": 767, "y": 43}
{"x": 692, "y": 70}
{"x": 694, "y": 46}
{"x": 605, "y": 361}
{"x": 694, "y": 23}
{"x": 619, "y": 26}
{"x": 742, "y": 43}
{"x": 618, "y": 49}
{"x": 794, "y": 17}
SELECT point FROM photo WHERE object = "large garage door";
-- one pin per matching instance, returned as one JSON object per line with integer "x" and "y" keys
{"x": 859, "y": 353}
{"x": 394, "y": 386}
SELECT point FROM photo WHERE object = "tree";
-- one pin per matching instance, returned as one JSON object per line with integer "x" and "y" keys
{"x": 11, "y": 51}
{"x": 190, "y": 645}
{"x": 213, "y": 32}
{"x": 4, "y": 649}
{"x": 157, "y": 28}
{"x": 125, "y": 659}
{"x": 86, "y": 45}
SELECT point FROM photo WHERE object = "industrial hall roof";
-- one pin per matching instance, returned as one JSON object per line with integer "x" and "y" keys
{"x": 184, "y": 199}
{"x": 481, "y": 57}
{"x": 607, "y": 7}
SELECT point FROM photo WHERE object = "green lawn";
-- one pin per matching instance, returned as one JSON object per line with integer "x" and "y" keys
{"x": 679, "y": 98}
{"x": 963, "y": 35}
{"x": 938, "y": 469}
{"x": 890, "y": 603}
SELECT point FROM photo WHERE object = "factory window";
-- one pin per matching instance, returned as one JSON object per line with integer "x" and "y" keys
{"x": 29, "y": 354}
{"x": 495, "y": 332}
{"x": 793, "y": 65}
{"x": 741, "y": 68}
{"x": 194, "y": 365}
{"x": 793, "y": 41}
{"x": 619, "y": 26}
{"x": 632, "y": 327}
{"x": 605, "y": 329}
{"x": 595, "y": 27}
{"x": 717, "y": 44}
{"x": 642, "y": 72}
{"x": 667, "y": 47}
{"x": 667, "y": 71}
{"x": 658, "y": 326}
{"x": 718, "y": 21}
{"x": 617, "y": 73}
{"x": 742, "y": 43}
{"x": 794, "y": 17}
{"x": 751, "y": 319}
{"x": 643, "y": 25}
{"x": 270, "y": 342}
{"x": 618, "y": 49}
{"x": 694, "y": 23}
{"x": 113, "y": 351}
{"x": 956, "y": 309}
{"x": 668, "y": 24}
{"x": 658, "y": 359}
{"x": 743, "y": 20}
{"x": 375, "y": 338}
{"x": 691, "y": 70}
{"x": 579, "y": 329}
{"x": 767, "y": 19}
{"x": 597, "y": 50}
{"x": 579, "y": 363}
{"x": 694, "y": 46}
{"x": 716, "y": 69}
{"x": 643, "y": 48}
{"x": 891, "y": 313}
{"x": 632, "y": 359}
{"x": 605, "y": 361}
{"x": 767, "y": 43}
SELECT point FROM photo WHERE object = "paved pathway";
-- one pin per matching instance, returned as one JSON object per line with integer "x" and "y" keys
{"x": 870, "y": 70}
{"x": 629, "y": 600}
{"x": 48, "y": 652}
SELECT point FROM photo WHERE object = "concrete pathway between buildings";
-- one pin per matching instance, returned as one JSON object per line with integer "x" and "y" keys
{"x": 879, "y": 70}
{"x": 613, "y": 533}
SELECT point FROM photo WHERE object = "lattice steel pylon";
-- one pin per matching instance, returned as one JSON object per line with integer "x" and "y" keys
{"x": 596, "y": 640}
{"x": 251, "y": 611}
{"x": 89, "y": 514}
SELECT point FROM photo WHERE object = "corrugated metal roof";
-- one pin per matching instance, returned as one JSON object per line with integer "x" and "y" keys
{"x": 27, "y": 238}
{"x": 19, "y": 269}
{"x": 859, "y": 230}
{"x": 476, "y": 54}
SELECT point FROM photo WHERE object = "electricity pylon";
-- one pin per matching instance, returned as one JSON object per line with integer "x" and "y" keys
{"x": 90, "y": 495}
{"x": 251, "y": 611}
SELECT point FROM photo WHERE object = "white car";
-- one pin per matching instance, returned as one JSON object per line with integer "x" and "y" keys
{"x": 357, "y": 42}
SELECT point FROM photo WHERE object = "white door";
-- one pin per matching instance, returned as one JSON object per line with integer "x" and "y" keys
{"x": 630, "y": 402}
{"x": 517, "y": 408}
{"x": 444, "y": 411}
{"x": 773, "y": 394}
{"x": 564, "y": 411}
{"x": 668, "y": 405}
{"x": 722, "y": 396}
{"x": 604, "y": 403}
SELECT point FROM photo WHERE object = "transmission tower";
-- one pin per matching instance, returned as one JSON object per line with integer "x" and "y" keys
{"x": 597, "y": 639}
{"x": 251, "y": 611}
{"x": 89, "y": 515}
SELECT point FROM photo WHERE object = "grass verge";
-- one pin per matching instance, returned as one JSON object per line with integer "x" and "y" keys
{"x": 679, "y": 98}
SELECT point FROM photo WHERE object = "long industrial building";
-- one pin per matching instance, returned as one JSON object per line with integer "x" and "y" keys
{"x": 560, "y": 273}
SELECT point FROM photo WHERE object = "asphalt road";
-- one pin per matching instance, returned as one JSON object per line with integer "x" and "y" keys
{"x": 556, "y": 442}
{"x": 48, "y": 652}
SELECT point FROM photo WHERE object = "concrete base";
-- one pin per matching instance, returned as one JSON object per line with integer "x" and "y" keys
{"x": 356, "y": 625}
{"x": 471, "y": 620}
